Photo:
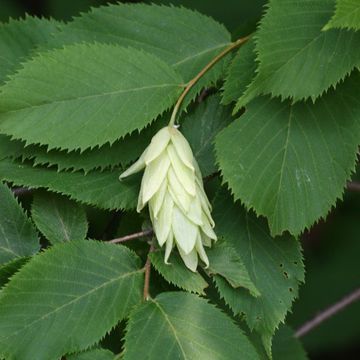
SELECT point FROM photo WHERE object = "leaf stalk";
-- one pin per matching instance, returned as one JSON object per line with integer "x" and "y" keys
{"x": 147, "y": 268}
{"x": 207, "y": 67}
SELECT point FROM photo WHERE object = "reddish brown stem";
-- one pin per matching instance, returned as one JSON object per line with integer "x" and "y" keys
{"x": 20, "y": 191}
{"x": 147, "y": 273}
{"x": 202, "y": 72}
{"x": 132, "y": 236}
{"x": 353, "y": 186}
{"x": 327, "y": 313}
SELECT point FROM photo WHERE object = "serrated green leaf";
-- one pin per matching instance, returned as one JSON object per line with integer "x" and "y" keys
{"x": 200, "y": 129}
{"x": 101, "y": 189}
{"x": 291, "y": 162}
{"x": 58, "y": 218}
{"x": 225, "y": 261}
{"x": 96, "y": 354}
{"x": 287, "y": 346}
{"x": 240, "y": 73}
{"x": 346, "y": 16}
{"x": 92, "y": 159}
{"x": 18, "y": 38}
{"x": 199, "y": 126}
{"x": 177, "y": 274}
{"x": 67, "y": 298}
{"x": 121, "y": 153}
{"x": 106, "y": 93}
{"x": 296, "y": 58}
{"x": 274, "y": 265}
{"x": 9, "y": 148}
{"x": 18, "y": 237}
{"x": 9, "y": 269}
{"x": 177, "y": 325}
{"x": 185, "y": 39}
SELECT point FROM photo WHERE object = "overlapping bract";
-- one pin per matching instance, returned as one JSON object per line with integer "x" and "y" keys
{"x": 173, "y": 187}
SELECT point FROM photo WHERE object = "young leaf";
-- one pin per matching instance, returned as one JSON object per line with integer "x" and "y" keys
{"x": 67, "y": 298}
{"x": 274, "y": 265}
{"x": 95, "y": 354}
{"x": 297, "y": 59}
{"x": 18, "y": 237}
{"x": 177, "y": 325}
{"x": 240, "y": 73}
{"x": 291, "y": 162}
{"x": 225, "y": 261}
{"x": 200, "y": 129}
{"x": 346, "y": 16}
{"x": 19, "y": 38}
{"x": 107, "y": 92}
{"x": 176, "y": 273}
{"x": 101, "y": 189}
{"x": 159, "y": 30}
{"x": 58, "y": 218}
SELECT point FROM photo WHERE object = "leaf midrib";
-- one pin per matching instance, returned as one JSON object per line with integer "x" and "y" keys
{"x": 275, "y": 72}
{"x": 172, "y": 328}
{"x": 93, "y": 96}
{"x": 70, "y": 303}
{"x": 282, "y": 169}
{"x": 63, "y": 226}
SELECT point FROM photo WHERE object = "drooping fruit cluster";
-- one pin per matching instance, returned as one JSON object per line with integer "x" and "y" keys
{"x": 172, "y": 186}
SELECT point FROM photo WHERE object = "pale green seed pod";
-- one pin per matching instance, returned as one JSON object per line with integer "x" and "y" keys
{"x": 172, "y": 186}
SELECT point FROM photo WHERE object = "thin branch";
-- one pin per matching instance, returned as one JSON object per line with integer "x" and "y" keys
{"x": 207, "y": 67}
{"x": 132, "y": 236}
{"x": 147, "y": 273}
{"x": 353, "y": 186}
{"x": 327, "y": 313}
{"x": 20, "y": 191}
{"x": 203, "y": 95}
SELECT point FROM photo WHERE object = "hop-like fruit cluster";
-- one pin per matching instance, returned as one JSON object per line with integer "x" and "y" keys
{"x": 172, "y": 186}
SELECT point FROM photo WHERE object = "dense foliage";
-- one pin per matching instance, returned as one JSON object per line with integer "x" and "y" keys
{"x": 273, "y": 120}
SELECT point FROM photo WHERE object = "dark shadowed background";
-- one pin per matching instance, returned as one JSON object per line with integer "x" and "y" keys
{"x": 331, "y": 249}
